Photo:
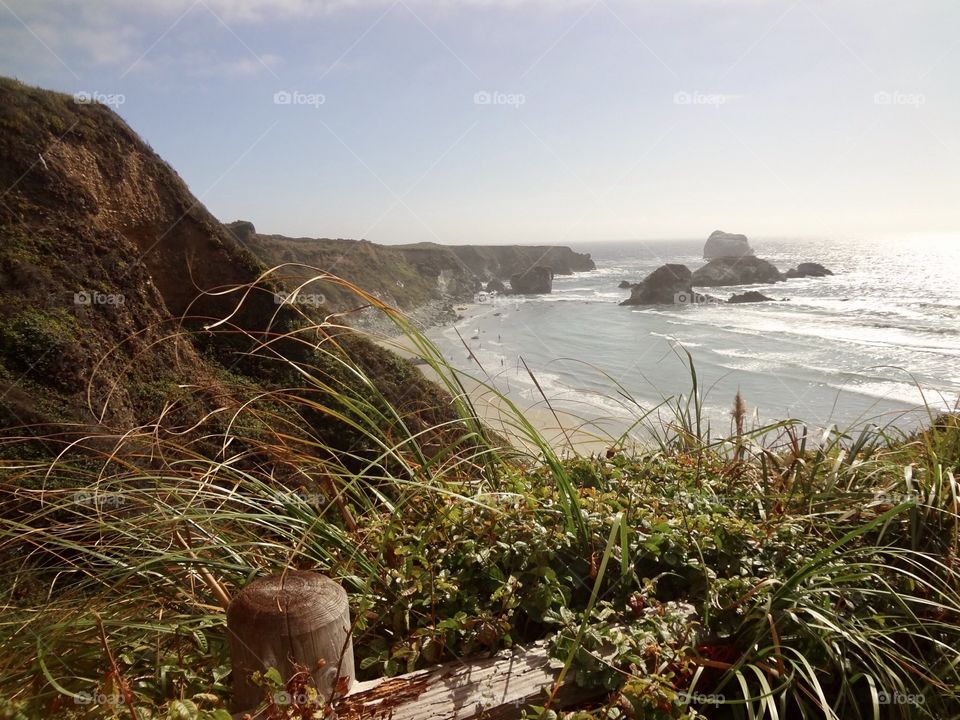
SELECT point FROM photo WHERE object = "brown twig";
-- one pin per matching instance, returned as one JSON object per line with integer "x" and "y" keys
{"x": 223, "y": 597}
{"x": 115, "y": 671}
{"x": 775, "y": 636}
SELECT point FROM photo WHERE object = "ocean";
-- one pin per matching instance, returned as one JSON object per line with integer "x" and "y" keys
{"x": 878, "y": 342}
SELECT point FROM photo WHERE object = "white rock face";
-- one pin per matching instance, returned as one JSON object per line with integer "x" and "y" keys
{"x": 723, "y": 244}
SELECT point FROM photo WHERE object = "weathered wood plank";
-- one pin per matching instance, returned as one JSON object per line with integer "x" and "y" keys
{"x": 497, "y": 688}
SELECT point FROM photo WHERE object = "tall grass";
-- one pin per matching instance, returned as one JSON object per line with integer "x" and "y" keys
{"x": 841, "y": 590}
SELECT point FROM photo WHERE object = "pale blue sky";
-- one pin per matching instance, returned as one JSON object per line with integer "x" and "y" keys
{"x": 606, "y": 119}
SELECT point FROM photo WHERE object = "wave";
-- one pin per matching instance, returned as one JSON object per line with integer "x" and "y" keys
{"x": 852, "y": 334}
{"x": 685, "y": 343}
{"x": 748, "y": 361}
{"x": 605, "y": 298}
{"x": 905, "y": 393}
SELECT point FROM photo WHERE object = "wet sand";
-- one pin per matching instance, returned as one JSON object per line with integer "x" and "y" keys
{"x": 565, "y": 432}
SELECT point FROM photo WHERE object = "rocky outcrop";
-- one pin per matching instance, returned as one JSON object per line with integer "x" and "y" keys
{"x": 242, "y": 231}
{"x": 496, "y": 285}
{"x": 745, "y": 270}
{"x": 667, "y": 285}
{"x": 808, "y": 269}
{"x": 624, "y": 284}
{"x": 751, "y": 296}
{"x": 722, "y": 244}
{"x": 537, "y": 280}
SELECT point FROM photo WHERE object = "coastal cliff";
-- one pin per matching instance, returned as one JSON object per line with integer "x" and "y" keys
{"x": 422, "y": 279}
{"x": 115, "y": 287}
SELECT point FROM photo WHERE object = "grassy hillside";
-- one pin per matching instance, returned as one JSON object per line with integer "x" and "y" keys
{"x": 124, "y": 299}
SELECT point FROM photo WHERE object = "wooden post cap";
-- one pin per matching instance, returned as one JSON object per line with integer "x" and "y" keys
{"x": 278, "y": 621}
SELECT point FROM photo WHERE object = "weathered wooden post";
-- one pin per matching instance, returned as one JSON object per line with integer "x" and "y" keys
{"x": 293, "y": 617}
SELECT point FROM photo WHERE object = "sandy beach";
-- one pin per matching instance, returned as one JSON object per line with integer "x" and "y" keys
{"x": 565, "y": 432}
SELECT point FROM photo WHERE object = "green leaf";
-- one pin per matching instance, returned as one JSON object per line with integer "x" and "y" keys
{"x": 201, "y": 641}
{"x": 272, "y": 676}
{"x": 183, "y": 710}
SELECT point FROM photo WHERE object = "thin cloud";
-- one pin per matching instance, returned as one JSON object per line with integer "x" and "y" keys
{"x": 246, "y": 11}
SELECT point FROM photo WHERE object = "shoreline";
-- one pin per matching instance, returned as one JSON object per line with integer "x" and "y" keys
{"x": 562, "y": 430}
{"x": 581, "y": 417}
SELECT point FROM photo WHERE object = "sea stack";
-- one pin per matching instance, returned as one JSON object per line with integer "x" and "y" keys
{"x": 722, "y": 244}
{"x": 538, "y": 280}
{"x": 667, "y": 285}
{"x": 807, "y": 269}
{"x": 744, "y": 270}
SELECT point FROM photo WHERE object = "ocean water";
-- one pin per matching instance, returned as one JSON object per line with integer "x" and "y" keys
{"x": 878, "y": 342}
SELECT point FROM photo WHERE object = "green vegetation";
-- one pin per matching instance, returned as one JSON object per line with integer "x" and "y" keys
{"x": 821, "y": 575}
{"x": 35, "y": 342}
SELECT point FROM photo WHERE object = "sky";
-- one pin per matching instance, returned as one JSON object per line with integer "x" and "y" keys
{"x": 527, "y": 121}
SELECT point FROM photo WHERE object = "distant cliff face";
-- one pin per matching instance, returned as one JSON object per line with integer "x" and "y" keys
{"x": 409, "y": 277}
{"x": 103, "y": 250}
{"x": 406, "y": 278}
{"x": 503, "y": 261}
